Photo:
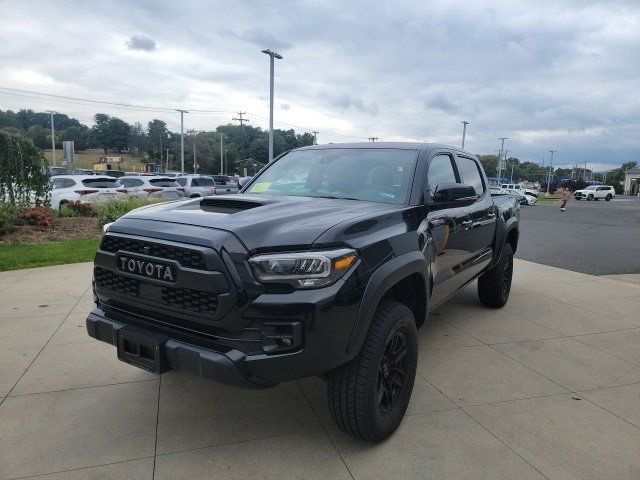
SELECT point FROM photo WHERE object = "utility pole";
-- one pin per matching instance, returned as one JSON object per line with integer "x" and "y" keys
{"x": 195, "y": 165}
{"x": 167, "y": 169}
{"x": 182, "y": 112}
{"x": 373, "y": 139}
{"x": 584, "y": 172}
{"x": 315, "y": 137}
{"x": 221, "y": 153}
{"x": 500, "y": 159}
{"x": 241, "y": 120}
{"x": 550, "y": 168}
{"x": 53, "y": 138}
{"x": 512, "y": 164}
{"x": 464, "y": 132}
{"x": 272, "y": 57}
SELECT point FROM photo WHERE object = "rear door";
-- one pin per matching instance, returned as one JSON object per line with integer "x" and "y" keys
{"x": 448, "y": 229}
{"x": 482, "y": 214}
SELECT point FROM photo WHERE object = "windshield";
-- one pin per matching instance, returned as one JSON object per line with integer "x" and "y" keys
{"x": 377, "y": 175}
{"x": 100, "y": 183}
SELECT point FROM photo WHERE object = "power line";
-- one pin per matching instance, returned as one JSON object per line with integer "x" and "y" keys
{"x": 18, "y": 92}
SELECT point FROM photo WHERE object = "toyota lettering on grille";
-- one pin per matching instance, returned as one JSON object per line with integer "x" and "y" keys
{"x": 146, "y": 268}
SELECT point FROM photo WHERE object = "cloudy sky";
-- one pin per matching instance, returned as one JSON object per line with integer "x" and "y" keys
{"x": 561, "y": 74}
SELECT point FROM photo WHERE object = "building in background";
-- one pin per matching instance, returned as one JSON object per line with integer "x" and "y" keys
{"x": 632, "y": 181}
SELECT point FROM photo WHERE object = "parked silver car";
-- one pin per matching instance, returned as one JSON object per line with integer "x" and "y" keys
{"x": 203, "y": 186}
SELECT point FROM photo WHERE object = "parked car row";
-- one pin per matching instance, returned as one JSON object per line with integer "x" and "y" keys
{"x": 98, "y": 188}
{"x": 523, "y": 198}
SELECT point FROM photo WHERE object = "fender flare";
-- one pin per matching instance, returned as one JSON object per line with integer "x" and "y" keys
{"x": 380, "y": 282}
{"x": 509, "y": 226}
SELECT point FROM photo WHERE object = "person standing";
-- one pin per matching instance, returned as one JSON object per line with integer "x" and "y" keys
{"x": 566, "y": 195}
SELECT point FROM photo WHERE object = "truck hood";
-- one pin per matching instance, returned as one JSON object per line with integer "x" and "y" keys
{"x": 261, "y": 221}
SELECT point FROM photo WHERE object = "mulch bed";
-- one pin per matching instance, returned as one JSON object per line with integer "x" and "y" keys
{"x": 73, "y": 228}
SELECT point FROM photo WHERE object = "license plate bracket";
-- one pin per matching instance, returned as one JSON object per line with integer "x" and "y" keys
{"x": 142, "y": 349}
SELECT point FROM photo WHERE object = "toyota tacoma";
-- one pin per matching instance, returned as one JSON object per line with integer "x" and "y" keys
{"x": 325, "y": 264}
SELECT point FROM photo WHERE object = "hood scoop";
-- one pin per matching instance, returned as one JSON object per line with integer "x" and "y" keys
{"x": 228, "y": 205}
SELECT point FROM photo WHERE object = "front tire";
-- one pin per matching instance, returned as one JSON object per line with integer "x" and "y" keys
{"x": 608, "y": 197}
{"x": 369, "y": 396}
{"x": 494, "y": 285}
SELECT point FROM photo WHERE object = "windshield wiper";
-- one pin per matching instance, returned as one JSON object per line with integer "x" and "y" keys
{"x": 336, "y": 198}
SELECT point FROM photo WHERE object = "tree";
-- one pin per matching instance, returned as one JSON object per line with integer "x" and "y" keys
{"x": 41, "y": 137}
{"x": 158, "y": 136}
{"x": 23, "y": 171}
{"x": 137, "y": 138}
{"x": 100, "y": 131}
{"x": 118, "y": 134}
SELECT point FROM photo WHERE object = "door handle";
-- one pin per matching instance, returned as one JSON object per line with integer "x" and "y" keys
{"x": 491, "y": 215}
{"x": 467, "y": 224}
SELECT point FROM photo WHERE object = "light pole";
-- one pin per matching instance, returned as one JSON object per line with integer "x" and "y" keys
{"x": 500, "y": 159}
{"x": 272, "y": 56}
{"x": 550, "y": 167}
{"x": 167, "y": 158}
{"x": 182, "y": 112}
{"x": 194, "y": 133}
{"x": 464, "y": 132}
{"x": 221, "y": 153}
{"x": 53, "y": 138}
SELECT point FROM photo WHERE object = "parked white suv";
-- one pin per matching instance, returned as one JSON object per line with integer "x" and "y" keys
{"x": 595, "y": 192}
{"x": 520, "y": 189}
{"x": 83, "y": 188}
{"x": 152, "y": 187}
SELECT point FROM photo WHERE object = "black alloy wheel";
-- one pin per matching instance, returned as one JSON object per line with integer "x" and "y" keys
{"x": 392, "y": 371}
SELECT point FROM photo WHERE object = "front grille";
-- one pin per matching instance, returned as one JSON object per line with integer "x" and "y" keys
{"x": 191, "y": 300}
{"x": 112, "y": 281}
{"x": 186, "y": 258}
{"x": 173, "y": 298}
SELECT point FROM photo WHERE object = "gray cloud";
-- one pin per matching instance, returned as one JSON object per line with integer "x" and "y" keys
{"x": 548, "y": 74}
{"x": 140, "y": 42}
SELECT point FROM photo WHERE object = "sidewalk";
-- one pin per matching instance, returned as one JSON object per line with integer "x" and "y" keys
{"x": 549, "y": 387}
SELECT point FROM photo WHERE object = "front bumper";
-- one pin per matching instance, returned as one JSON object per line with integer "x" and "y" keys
{"x": 218, "y": 366}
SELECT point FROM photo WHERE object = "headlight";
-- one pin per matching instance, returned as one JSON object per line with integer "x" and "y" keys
{"x": 304, "y": 269}
{"x": 105, "y": 227}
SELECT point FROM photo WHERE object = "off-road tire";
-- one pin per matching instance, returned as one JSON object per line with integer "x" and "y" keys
{"x": 608, "y": 197}
{"x": 494, "y": 285}
{"x": 353, "y": 390}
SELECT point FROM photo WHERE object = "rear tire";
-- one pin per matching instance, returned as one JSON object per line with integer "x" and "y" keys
{"x": 589, "y": 198}
{"x": 494, "y": 285}
{"x": 369, "y": 396}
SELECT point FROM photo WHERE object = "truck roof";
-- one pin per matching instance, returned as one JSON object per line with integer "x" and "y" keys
{"x": 395, "y": 145}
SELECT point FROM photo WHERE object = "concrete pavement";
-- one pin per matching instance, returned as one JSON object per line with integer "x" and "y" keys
{"x": 548, "y": 387}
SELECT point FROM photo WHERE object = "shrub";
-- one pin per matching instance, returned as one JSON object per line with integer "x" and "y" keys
{"x": 80, "y": 209}
{"x": 67, "y": 212}
{"x": 7, "y": 219}
{"x": 111, "y": 210}
{"x": 39, "y": 216}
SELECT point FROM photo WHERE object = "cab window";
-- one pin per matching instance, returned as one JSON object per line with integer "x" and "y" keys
{"x": 471, "y": 175}
{"x": 440, "y": 171}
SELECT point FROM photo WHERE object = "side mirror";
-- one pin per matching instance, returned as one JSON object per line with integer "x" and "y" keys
{"x": 453, "y": 195}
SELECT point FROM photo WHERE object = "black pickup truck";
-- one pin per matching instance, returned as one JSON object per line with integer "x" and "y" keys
{"x": 325, "y": 264}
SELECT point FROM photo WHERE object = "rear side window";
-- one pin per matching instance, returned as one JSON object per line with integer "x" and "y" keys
{"x": 100, "y": 183}
{"x": 182, "y": 181}
{"x": 471, "y": 175}
{"x": 440, "y": 171}
{"x": 202, "y": 182}
{"x": 163, "y": 182}
{"x": 57, "y": 183}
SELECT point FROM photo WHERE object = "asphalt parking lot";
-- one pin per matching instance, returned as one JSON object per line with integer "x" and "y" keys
{"x": 548, "y": 387}
{"x": 599, "y": 238}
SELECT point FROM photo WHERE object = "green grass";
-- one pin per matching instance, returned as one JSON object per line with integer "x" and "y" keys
{"x": 86, "y": 159}
{"x": 29, "y": 255}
